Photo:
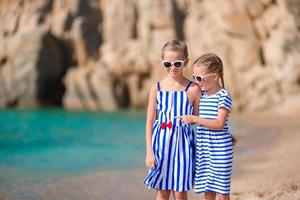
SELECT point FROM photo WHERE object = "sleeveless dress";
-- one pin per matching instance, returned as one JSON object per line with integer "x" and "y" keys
{"x": 214, "y": 150}
{"x": 172, "y": 143}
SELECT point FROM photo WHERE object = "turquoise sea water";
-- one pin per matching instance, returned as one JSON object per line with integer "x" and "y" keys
{"x": 42, "y": 143}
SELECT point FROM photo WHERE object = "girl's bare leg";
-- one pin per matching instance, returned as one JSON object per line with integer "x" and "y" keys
{"x": 224, "y": 197}
{"x": 180, "y": 195}
{"x": 163, "y": 194}
{"x": 209, "y": 195}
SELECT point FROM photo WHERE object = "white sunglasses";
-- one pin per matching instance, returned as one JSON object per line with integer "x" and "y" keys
{"x": 199, "y": 79}
{"x": 168, "y": 64}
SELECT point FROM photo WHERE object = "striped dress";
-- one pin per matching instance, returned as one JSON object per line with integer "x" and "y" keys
{"x": 172, "y": 143}
{"x": 214, "y": 150}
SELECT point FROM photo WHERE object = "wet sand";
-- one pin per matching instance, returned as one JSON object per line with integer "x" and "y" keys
{"x": 266, "y": 166}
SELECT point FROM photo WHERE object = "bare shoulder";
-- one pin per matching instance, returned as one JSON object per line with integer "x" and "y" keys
{"x": 194, "y": 89}
{"x": 153, "y": 88}
{"x": 194, "y": 92}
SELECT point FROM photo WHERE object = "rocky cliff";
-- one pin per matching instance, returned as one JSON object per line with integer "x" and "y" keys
{"x": 102, "y": 55}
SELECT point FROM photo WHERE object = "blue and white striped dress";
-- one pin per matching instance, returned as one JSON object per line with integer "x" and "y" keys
{"x": 173, "y": 146}
{"x": 214, "y": 150}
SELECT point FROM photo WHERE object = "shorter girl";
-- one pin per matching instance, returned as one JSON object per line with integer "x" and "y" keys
{"x": 214, "y": 148}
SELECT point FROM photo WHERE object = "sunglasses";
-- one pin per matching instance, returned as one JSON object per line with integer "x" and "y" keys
{"x": 199, "y": 79}
{"x": 177, "y": 63}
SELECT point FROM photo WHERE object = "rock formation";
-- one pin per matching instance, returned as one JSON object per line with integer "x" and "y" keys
{"x": 102, "y": 55}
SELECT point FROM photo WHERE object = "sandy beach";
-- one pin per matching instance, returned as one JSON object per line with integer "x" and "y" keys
{"x": 272, "y": 170}
{"x": 266, "y": 166}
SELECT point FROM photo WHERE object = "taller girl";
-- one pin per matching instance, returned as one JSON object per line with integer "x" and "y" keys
{"x": 170, "y": 143}
{"x": 214, "y": 149}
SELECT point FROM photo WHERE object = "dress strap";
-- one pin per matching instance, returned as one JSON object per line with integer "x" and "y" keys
{"x": 187, "y": 87}
{"x": 158, "y": 86}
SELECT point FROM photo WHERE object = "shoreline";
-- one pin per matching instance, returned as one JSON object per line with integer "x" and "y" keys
{"x": 265, "y": 167}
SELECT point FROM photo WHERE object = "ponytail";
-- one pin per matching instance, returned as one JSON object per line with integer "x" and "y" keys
{"x": 222, "y": 81}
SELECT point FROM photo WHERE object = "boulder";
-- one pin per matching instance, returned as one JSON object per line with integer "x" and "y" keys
{"x": 33, "y": 70}
{"x": 89, "y": 88}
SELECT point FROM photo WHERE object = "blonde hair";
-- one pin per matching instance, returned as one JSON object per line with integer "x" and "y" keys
{"x": 175, "y": 45}
{"x": 212, "y": 63}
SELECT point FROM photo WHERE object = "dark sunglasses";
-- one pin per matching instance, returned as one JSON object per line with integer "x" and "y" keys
{"x": 199, "y": 79}
{"x": 177, "y": 63}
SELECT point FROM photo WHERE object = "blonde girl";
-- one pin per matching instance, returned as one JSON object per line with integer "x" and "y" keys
{"x": 170, "y": 143}
{"x": 214, "y": 143}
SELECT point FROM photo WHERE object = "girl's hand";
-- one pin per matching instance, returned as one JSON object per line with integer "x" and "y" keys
{"x": 234, "y": 140}
{"x": 186, "y": 119}
{"x": 150, "y": 160}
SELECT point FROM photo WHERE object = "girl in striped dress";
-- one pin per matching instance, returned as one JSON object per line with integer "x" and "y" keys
{"x": 214, "y": 143}
{"x": 170, "y": 143}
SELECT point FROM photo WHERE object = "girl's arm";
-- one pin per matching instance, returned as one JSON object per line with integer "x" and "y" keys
{"x": 217, "y": 124}
{"x": 224, "y": 107}
{"x": 151, "y": 115}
